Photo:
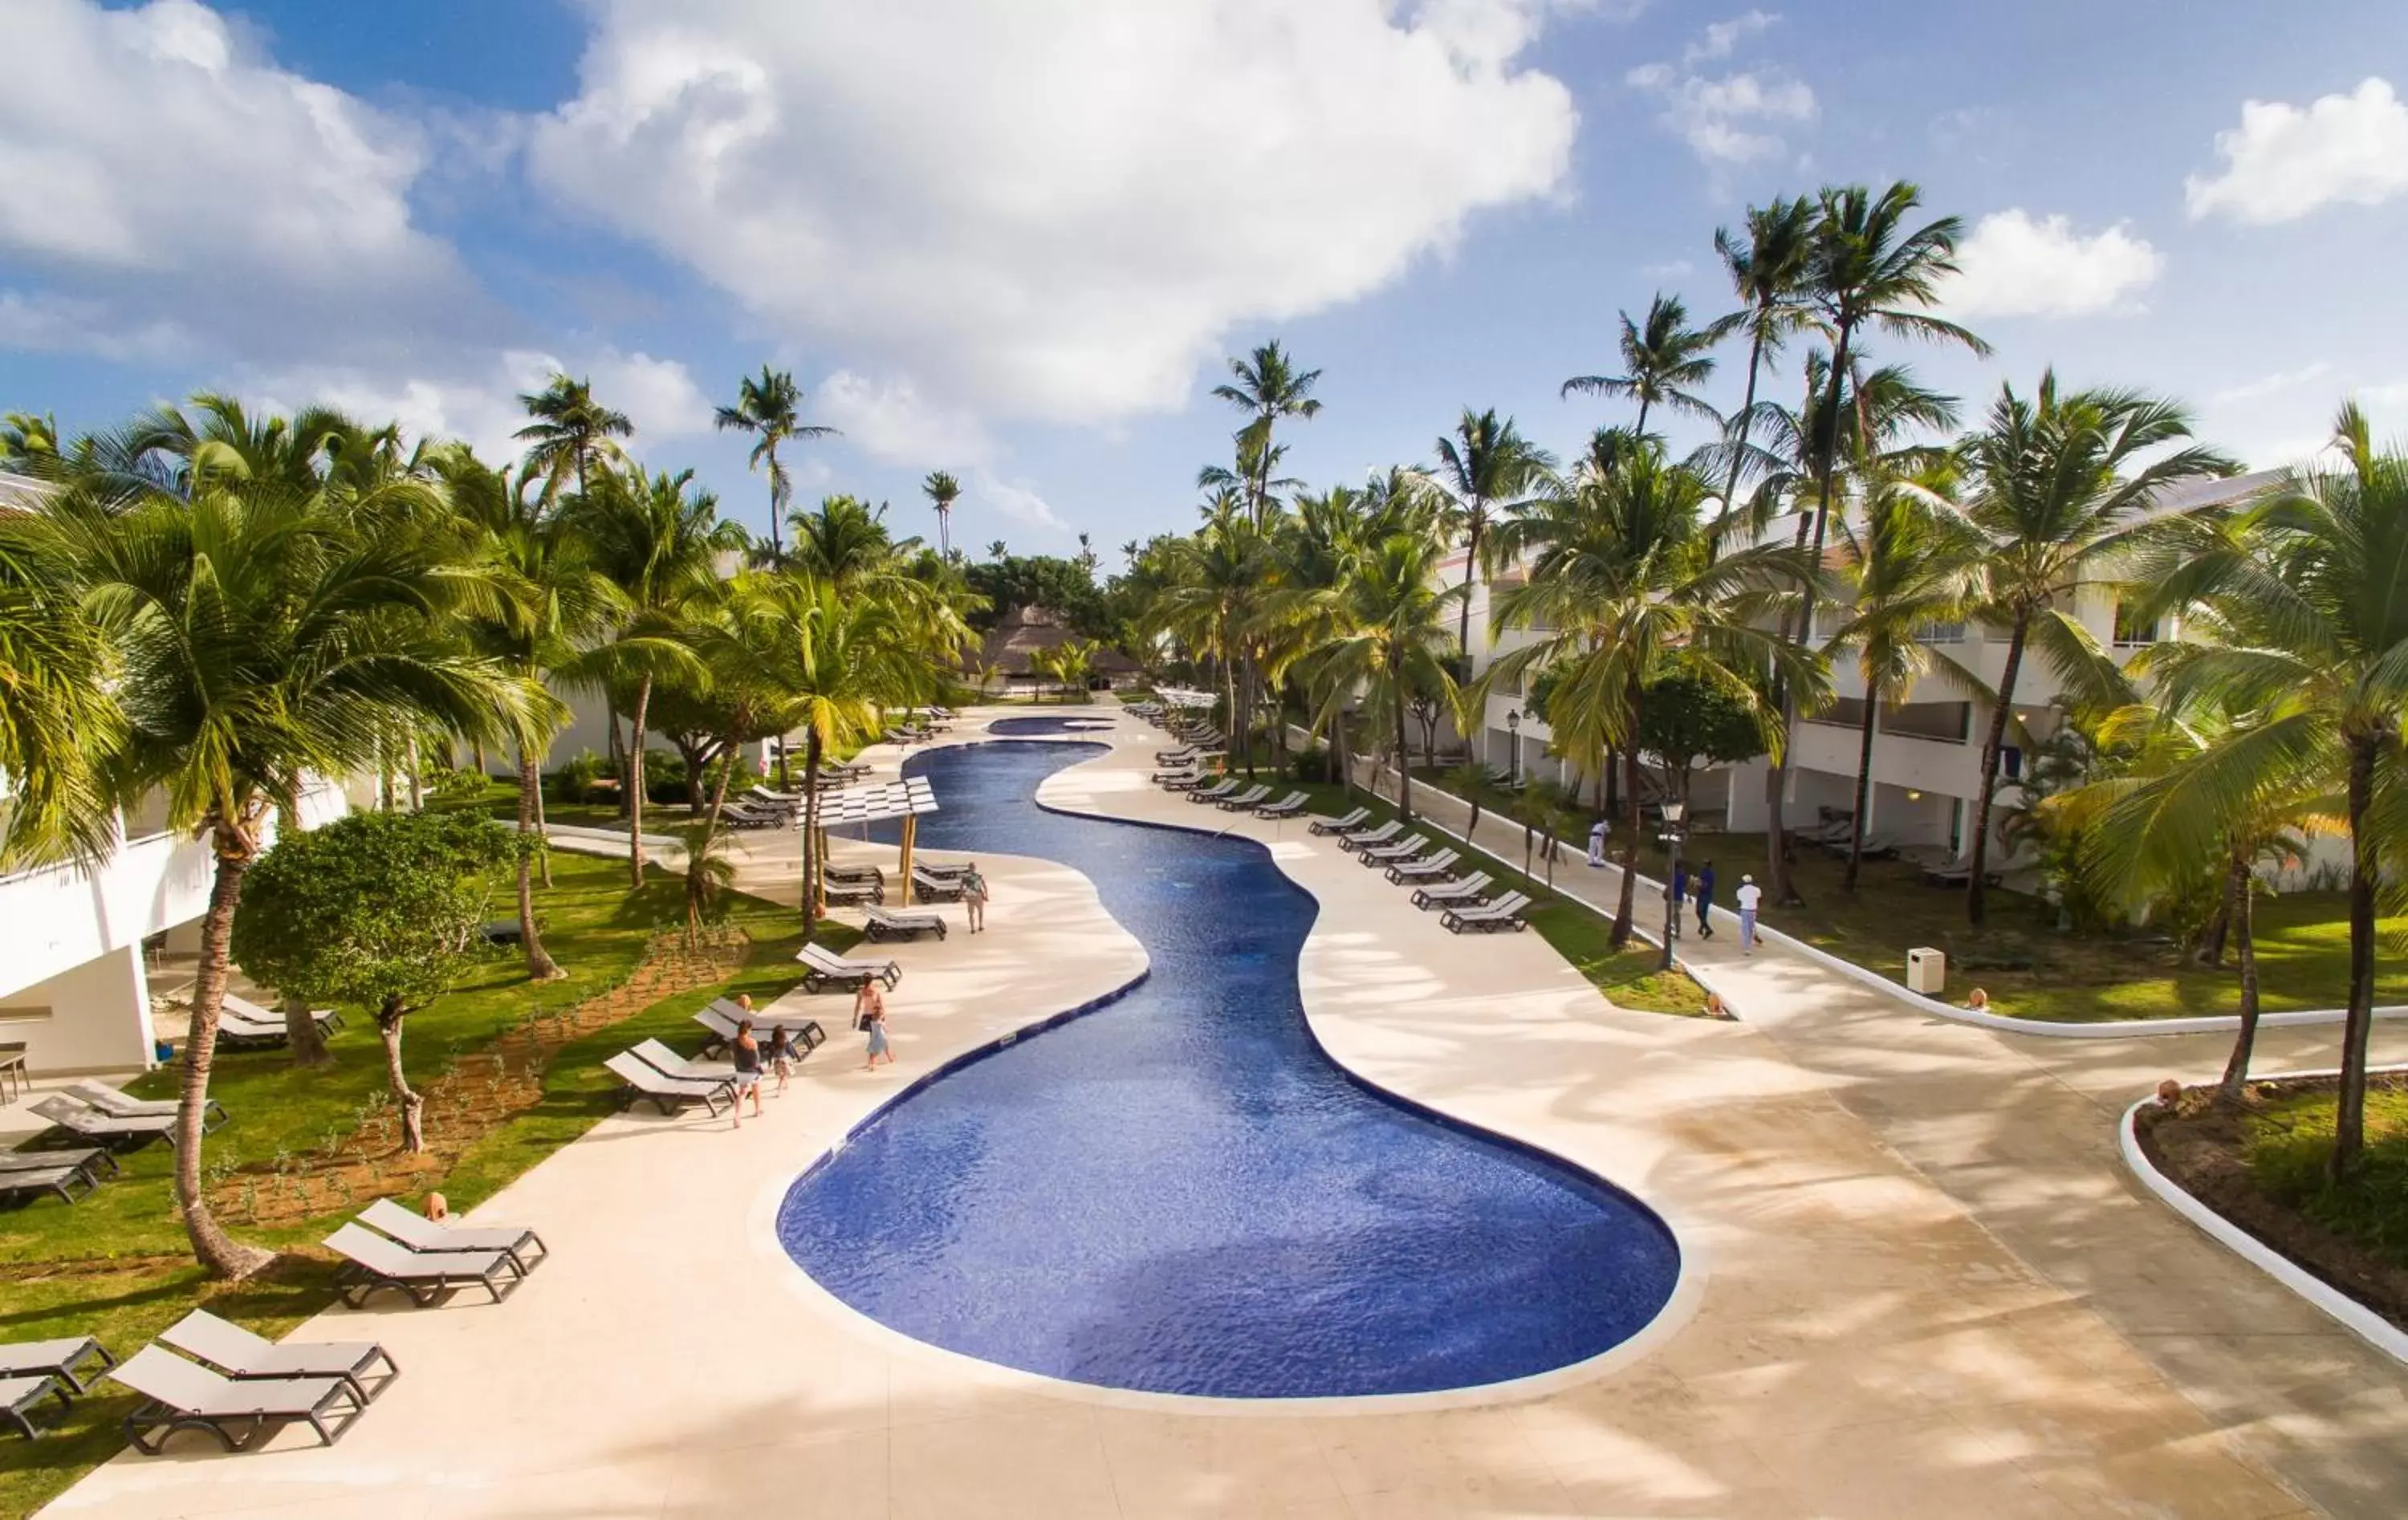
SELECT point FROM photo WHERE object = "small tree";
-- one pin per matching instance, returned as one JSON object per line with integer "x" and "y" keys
{"x": 374, "y": 909}
{"x": 1686, "y": 722}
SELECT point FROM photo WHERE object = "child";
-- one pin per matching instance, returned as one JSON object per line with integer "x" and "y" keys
{"x": 782, "y": 1056}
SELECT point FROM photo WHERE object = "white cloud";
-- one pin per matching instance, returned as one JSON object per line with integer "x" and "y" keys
{"x": 2282, "y": 380}
{"x": 2014, "y": 264}
{"x": 478, "y": 401}
{"x": 1735, "y": 118}
{"x": 1068, "y": 206}
{"x": 1016, "y": 500}
{"x": 1670, "y": 269}
{"x": 1719, "y": 39}
{"x": 894, "y": 422}
{"x": 2283, "y": 162}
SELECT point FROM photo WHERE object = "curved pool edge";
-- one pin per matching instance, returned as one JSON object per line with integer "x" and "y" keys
{"x": 1678, "y": 1307}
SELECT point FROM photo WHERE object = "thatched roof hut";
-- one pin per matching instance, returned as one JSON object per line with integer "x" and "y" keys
{"x": 1026, "y": 630}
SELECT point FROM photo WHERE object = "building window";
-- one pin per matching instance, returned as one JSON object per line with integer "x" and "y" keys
{"x": 1941, "y": 633}
{"x": 1843, "y": 712}
{"x": 1949, "y": 722}
{"x": 2132, "y": 632}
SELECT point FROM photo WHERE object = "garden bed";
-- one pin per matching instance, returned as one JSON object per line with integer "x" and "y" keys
{"x": 2261, "y": 1167}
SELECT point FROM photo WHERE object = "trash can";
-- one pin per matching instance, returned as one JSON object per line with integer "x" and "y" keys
{"x": 1927, "y": 972}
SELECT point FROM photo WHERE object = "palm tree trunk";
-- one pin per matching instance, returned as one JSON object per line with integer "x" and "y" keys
{"x": 811, "y": 830}
{"x": 636, "y": 782}
{"x": 2241, "y": 891}
{"x": 1471, "y": 568}
{"x": 417, "y": 783}
{"x": 1404, "y": 765}
{"x": 1345, "y": 764}
{"x": 1642, "y": 428}
{"x": 1625, "y": 910}
{"x": 540, "y": 965}
{"x": 693, "y": 878}
{"x": 219, "y": 1254}
{"x": 1863, "y": 789}
{"x": 1746, "y": 407}
{"x": 1992, "y": 748}
{"x": 406, "y": 1103}
{"x": 2349, "y": 1117}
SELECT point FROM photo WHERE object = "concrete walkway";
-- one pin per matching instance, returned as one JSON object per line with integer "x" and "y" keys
{"x": 1925, "y": 1289}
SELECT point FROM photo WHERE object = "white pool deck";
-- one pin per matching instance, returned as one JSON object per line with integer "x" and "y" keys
{"x": 1928, "y": 1288}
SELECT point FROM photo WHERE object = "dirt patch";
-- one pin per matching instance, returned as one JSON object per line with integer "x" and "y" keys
{"x": 477, "y": 1093}
{"x": 2203, "y": 1148}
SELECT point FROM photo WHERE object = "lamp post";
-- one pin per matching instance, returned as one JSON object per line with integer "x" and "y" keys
{"x": 1513, "y": 746}
{"x": 1673, "y": 813}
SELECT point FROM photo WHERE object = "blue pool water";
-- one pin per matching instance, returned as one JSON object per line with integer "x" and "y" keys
{"x": 1179, "y": 1192}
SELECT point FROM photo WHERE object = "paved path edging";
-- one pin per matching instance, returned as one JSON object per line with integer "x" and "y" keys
{"x": 2354, "y": 1316}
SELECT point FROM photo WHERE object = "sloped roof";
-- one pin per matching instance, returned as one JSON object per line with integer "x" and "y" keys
{"x": 1024, "y": 632}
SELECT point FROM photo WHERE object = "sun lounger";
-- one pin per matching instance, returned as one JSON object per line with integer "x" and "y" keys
{"x": 853, "y": 873}
{"x": 1287, "y": 807}
{"x": 1187, "y": 782}
{"x": 1388, "y": 854}
{"x": 372, "y": 1263}
{"x": 420, "y": 1233}
{"x": 824, "y": 968}
{"x": 1462, "y": 890}
{"x": 100, "y": 1163}
{"x": 1423, "y": 868}
{"x": 881, "y": 925}
{"x": 101, "y": 1096}
{"x": 1214, "y": 793}
{"x": 668, "y": 1063}
{"x": 242, "y": 1412}
{"x": 719, "y": 1020}
{"x": 84, "y": 1122}
{"x": 640, "y": 1084}
{"x": 234, "y": 1352}
{"x": 1958, "y": 872}
{"x": 328, "y": 1019}
{"x": 62, "y": 1359}
{"x": 735, "y": 817}
{"x": 73, "y": 1175}
{"x": 20, "y": 1397}
{"x": 851, "y": 893}
{"x": 1251, "y": 798}
{"x": 940, "y": 870}
{"x": 1504, "y": 913}
{"x": 1326, "y": 825}
{"x": 929, "y": 887}
{"x": 1177, "y": 774}
{"x": 1185, "y": 755}
{"x": 1371, "y": 838}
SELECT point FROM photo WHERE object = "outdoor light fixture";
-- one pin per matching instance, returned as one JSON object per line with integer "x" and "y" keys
{"x": 1514, "y": 726}
{"x": 1675, "y": 812}
{"x": 1915, "y": 796}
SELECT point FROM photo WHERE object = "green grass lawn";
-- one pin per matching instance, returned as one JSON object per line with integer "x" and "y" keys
{"x": 2286, "y": 1140}
{"x": 1629, "y": 977}
{"x": 117, "y": 1264}
{"x": 2029, "y": 968}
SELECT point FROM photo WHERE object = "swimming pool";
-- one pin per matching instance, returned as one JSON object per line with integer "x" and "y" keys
{"x": 1179, "y": 1193}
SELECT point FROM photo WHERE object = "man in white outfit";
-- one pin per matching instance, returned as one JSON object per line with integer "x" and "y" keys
{"x": 1596, "y": 843}
{"x": 1749, "y": 895}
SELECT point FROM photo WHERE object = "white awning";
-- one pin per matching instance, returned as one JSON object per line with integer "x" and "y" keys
{"x": 875, "y": 803}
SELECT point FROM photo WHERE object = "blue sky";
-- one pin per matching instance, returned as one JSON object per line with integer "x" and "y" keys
{"x": 1013, "y": 242}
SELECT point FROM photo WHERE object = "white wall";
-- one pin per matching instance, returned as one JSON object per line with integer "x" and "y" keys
{"x": 94, "y": 1017}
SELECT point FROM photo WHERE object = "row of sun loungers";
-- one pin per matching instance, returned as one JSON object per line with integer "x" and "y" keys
{"x": 651, "y": 1072}
{"x": 72, "y": 1174}
{"x": 105, "y": 1120}
{"x": 243, "y": 1025}
{"x": 1411, "y": 862}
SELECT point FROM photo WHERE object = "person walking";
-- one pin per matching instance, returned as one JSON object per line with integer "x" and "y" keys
{"x": 1676, "y": 894}
{"x": 746, "y": 1053}
{"x": 1706, "y": 900}
{"x": 974, "y": 896}
{"x": 1597, "y": 844}
{"x": 1749, "y": 894}
{"x": 782, "y": 1057}
{"x": 869, "y": 1015}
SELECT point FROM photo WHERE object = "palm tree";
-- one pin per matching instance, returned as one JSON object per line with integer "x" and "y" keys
{"x": 570, "y": 431}
{"x": 1910, "y": 568}
{"x": 1391, "y": 641}
{"x": 2061, "y": 485}
{"x": 548, "y": 623}
{"x": 2307, "y": 593}
{"x": 1487, "y": 466}
{"x": 1660, "y": 362}
{"x": 771, "y": 408}
{"x": 1216, "y": 583}
{"x": 267, "y": 636}
{"x": 1269, "y": 387}
{"x": 943, "y": 490}
{"x": 1768, "y": 275}
{"x": 1625, "y": 585}
{"x": 58, "y": 706}
{"x": 996, "y": 550}
{"x": 659, "y": 541}
{"x": 844, "y": 657}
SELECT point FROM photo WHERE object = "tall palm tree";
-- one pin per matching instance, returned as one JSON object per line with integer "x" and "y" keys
{"x": 660, "y": 541}
{"x": 1390, "y": 641}
{"x": 268, "y": 635}
{"x": 2061, "y": 485}
{"x": 1661, "y": 361}
{"x": 1217, "y": 581}
{"x": 1767, "y": 273}
{"x": 942, "y": 491}
{"x": 548, "y": 626}
{"x": 2309, "y": 595}
{"x": 1908, "y": 567}
{"x": 1624, "y": 583}
{"x": 770, "y": 408}
{"x": 1487, "y": 466}
{"x": 1269, "y": 387}
{"x": 58, "y": 704}
{"x": 570, "y": 431}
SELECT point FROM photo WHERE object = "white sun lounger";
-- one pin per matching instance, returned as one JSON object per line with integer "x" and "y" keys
{"x": 879, "y": 924}
{"x": 1366, "y": 839}
{"x": 237, "y": 1353}
{"x": 101, "y": 1096}
{"x": 82, "y": 1120}
{"x": 1322, "y": 823}
{"x": 1388, "y": 854}
{"x": 371, "y": 1262}
{"x": 1215, "y": 793}
{"x": 420, "y": 1233}
{"x": 668, "y": 1063}
{"x": 823, "y": 967}
{"x": 242, "y": 1412}
{"x": 1251, "y": 798}
{"x": 641, "y": 1083}
{"x": 1423, "y": 868}
{"x": 1287, "y": 807}
{"x": 1463, "y": 889}
{"x": 1504, "y": 913}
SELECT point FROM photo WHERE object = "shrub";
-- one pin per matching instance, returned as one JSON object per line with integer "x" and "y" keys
{"x": 447, "y": 787}
{"x": 572, "y": 780}
{"x": 1311, "y": 763}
